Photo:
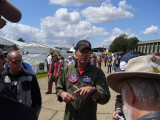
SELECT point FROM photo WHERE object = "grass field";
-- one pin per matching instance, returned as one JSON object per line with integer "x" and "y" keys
{"x": 41, "y": 75}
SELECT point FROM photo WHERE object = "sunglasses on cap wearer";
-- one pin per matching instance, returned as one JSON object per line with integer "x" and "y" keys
{"x": 2, "y": 57}
{"x": 17, "y": 61}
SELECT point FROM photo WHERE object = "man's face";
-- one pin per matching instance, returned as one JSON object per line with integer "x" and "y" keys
{"x": 2, "y": 61}
{"x": 15, "y": 62}
{"x": 70, "y": 58}
{"x": 83, "y": 56}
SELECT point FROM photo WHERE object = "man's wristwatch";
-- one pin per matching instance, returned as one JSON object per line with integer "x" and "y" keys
{"x": 94, "y": 90}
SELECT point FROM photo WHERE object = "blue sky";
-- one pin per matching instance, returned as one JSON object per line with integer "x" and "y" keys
{"x": 64, "y": 22}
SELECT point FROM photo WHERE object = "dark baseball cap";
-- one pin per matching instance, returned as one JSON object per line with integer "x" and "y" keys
{"x": 83, "y": 44}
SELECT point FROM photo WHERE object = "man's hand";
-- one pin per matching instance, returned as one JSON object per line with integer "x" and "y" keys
{"x": 84, "y": 91}
{"x": 114, "y": 117}
{"x": 67, "y": 97}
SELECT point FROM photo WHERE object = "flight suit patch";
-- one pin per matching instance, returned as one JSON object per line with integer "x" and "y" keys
{"x": 73, "y": 77}
{"x": 87, "y": 79}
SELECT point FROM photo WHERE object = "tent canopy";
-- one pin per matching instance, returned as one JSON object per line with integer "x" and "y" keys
{"x": 35, "y": 51}
{"x": 35, "y": 54}
{"x": 72, "y": 49}
{"x": 8, "y": 42}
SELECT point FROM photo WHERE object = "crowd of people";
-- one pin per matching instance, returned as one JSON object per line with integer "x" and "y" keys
{"x": 82, "y": 84}
{"x": 110, "y": 61}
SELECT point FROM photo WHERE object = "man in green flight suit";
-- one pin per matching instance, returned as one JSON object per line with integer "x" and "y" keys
{"x": 81, "y": 86}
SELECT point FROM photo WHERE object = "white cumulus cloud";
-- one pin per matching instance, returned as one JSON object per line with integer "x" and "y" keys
{"x": 74, "y": 2}
{"x": 62, "y": 29}
{"x": 68, "y": 30}
{"x": 15, "y": 31}
{"x": 107, "y": 12}
{"x": 153, "y": 30}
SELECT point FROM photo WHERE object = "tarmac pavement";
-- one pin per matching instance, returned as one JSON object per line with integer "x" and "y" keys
{"x": 52, "y": 109}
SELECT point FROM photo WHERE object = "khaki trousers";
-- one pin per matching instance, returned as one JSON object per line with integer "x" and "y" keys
{"x": 50, "y": 82}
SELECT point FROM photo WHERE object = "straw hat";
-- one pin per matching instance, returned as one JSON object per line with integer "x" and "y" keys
{"x": 9, "y": 11}
{"x": 144, "y": 66}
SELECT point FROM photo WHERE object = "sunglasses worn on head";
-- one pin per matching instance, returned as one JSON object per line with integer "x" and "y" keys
{"x": 2, "y": 57}
{"x": 17, "y": 61}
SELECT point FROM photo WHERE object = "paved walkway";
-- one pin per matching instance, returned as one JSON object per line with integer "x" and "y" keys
{"x": 52, "y": 109}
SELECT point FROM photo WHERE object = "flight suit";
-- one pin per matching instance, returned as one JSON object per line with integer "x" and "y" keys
{"x": 82, "y": 108}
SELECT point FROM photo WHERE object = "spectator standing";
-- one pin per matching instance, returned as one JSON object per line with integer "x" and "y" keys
{"x": 81, "y": 86}
{"x": 105, "y": 61}
{"x": 119, "y": 100}
{"x": 99, "y": 62}
{"x": 54, "y": 73}
{"x": 49, "y": 59}
{"x": 70, "y": 60}
{"x": 116, "y": 63}
{"x": 139, "y": 86}
{"x": 109, "y": 64}
{"x": 93, "y": 60}
{"x": 113, "y": 62}
{"x": 23, "y": 83}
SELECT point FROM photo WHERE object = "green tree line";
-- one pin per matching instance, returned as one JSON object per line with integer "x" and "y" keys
{"x": 124, "y": 44}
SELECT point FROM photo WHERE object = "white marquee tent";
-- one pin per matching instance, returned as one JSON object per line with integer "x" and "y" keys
{"x": 33, "y": 53}
{"x": 7, "y": 42}
{"x": 72, "y": 49}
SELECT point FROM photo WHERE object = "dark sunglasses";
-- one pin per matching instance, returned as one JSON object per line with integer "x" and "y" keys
{"x": 2, "y": 57}
{"x": 17, "y": 61}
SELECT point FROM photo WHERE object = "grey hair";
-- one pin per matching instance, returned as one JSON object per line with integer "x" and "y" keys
{"x": 146, "y": 90}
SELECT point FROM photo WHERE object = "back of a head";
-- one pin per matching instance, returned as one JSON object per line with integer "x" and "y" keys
{"x": 12, "y": 48}
{"x": 146, "y": 90}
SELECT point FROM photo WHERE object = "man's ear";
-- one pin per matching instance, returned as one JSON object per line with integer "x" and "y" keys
{"x": 75, "y": 53}
{"x": 8, "y": 62}
{"x": 130, "y": 96}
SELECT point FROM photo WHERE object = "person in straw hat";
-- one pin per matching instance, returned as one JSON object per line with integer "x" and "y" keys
{"x": 119, "y": 100}
{"x": 139, "y": 86}
{"x": 9, "y": 12}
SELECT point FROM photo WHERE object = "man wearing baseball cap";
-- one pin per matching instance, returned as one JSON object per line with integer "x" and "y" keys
{"x": 9, "y": 12}
{"x": 139, "y": 86}
{"x": 81, "y": 86}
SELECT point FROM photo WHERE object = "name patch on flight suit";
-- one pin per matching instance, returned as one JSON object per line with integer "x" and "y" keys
{"x": 73, "y": 77}
{"x": 86, "y": 79}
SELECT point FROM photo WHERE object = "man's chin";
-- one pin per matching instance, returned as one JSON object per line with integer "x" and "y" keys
{"x": 18, "y": 70}
{"x": 84, "y": 61}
